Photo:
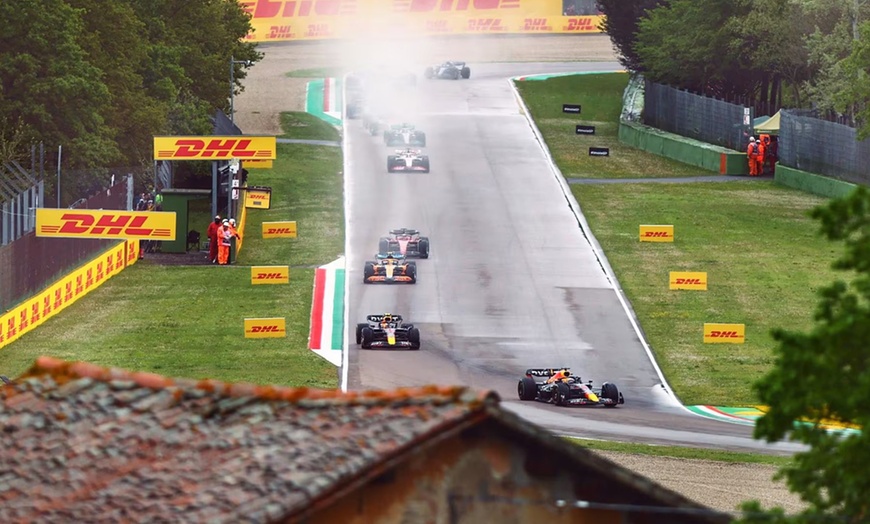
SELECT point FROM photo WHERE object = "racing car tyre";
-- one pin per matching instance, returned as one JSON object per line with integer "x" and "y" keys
{"x": 369, "y": 271}
{"x": 359, "y": 328}
{"x": 367, "y": 336}
{"x": 383, "y": 246}
{"x": 466, "y": 72}
{"x": 561, "y": 394}
{"x": 412, "y": 272}
{"x": 527, "y": 389}
{"x": 390, "y": 161}
{"x": 426, "y": 165}
{"x": 414, "y": 338}
{"x": 609, "y": 390}
{"x": 423, "y": 247}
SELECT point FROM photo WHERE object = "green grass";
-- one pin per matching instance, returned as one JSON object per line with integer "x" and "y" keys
{"x": 316, "y": 72}
{"x": 600, "y": 96}
{"x": 187, "y": 321}
{"x": 305, "y": 126}
{"x": 682, "y": 453}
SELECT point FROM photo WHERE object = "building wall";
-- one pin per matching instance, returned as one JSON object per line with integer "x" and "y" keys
{"x": 473, "y": 479}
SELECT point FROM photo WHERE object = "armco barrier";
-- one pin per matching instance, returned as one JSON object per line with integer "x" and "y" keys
{"x": 63, "y": 292}
{"x": 812, "y": 183}
{"x": 687, "y": 150}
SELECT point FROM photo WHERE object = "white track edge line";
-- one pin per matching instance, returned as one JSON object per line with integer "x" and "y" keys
{"x": 593, "y": 242}
{"x": 345, "y": 345}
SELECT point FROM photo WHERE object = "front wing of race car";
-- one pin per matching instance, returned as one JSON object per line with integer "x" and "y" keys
{"x": 398, "y": 344}
{"x": 404, "y": 279}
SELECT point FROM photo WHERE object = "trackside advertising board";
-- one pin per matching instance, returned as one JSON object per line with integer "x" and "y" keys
{"x": 275, "y": 20}
{"x": 724, "y": 333}
{"x": 692, "y": 280}
{"x": 241, "y": 147}
{"x": 258, "y": 197}
{"x": 265, "y": 328}
{"x": 66, "y": 290}
{"x": 661, "y": 233}
{"x": 90, "y": 223}
{"x": 270, "y": 275}
{"x": 279, "y": 229}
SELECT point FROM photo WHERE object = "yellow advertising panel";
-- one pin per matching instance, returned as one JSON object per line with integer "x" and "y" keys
{"x": 270, "y": 275}
{"x": 256, "y": 163}
{"x": 694, "y": 280}
{"x": 66, "y": 290}
{"x": 279, "y": 229}
{"x": 90, "y": 223}
{"x": 656, "y": 233}
{"x": 258, "y": 198}
{"x": 724, "y": 333}
{"x": 274, "y": 20}
{"x": 215, "y": 147}
{"x": 265, "y": 328}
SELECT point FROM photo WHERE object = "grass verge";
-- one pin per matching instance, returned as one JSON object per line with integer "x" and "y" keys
{"x": 305, "y": 126}
{"x": 600, "y": 97}
{"x": 187, "y": 321}
{"x": 761, "y": 251}
{"x": 682, "y": 453}
{"x": 316, "y": 72}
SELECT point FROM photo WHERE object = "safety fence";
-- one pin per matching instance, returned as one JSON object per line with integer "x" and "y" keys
{"x": 30, "y": 263}
{"x": 822, "y": 147}
{"x": 695, "y": 116}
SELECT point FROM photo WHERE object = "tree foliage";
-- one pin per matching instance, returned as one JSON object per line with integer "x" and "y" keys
{"x": 621, "y": 24}
{"x": 101, "y": 77}
{"x": 824, "y": 375}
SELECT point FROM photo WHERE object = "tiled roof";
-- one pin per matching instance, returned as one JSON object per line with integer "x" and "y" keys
{"x": 79, "y": 442}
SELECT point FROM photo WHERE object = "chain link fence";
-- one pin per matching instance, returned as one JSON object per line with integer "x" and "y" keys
{"x": 826, "y": 148}
{"x": 695, "y": 116}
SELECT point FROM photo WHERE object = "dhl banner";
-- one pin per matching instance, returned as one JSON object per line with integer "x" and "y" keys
{"x": 279, "y": 229}
{"x": 656, "y": 233}
{"x": 258, "y": 197}
{"x": 322, "y": 19}
{"x": 66, "y": 290}
{"x": 270, "y": 275}
{"x": 256, "y": 163}
{"x": 694, "y": 280}
{"x": 724, "y": 333}
{"x": 241, "y": 147}
{"x": 90, "y": 223}
{"x": 265, "y": 328}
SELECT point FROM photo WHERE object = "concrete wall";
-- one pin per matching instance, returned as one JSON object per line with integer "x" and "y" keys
{"x": 687, "y": 150}
{"x": 812, "y": 183}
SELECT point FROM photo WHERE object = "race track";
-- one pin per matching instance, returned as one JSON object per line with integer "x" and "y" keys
{"x": 511, "y": 282}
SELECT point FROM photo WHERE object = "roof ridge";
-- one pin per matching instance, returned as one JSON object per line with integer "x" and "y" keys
{"x": 59, "y": 368}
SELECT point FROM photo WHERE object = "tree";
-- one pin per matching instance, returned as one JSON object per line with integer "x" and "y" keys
{"x": 825, "y": 375}
{"x": 858, "y": 67}
{"x": 621, "y": 24}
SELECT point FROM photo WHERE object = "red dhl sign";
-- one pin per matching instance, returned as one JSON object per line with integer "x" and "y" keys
{"x": 318, "y": 31}
{"x": 693, "y": 280}
{"x": 279, "y": 229}
{"x": 724, "y": 333}
{"x": 537, "y": 24}
{"x": 298, "y": 8}
{"x": 87, "y": 223}
{"x": 427, "y": 6}
{"x": 260, "y": 198}
{"x": 485, "y": 25}
{"x": 265, "y": 328}
{"x": 214, "y": 147}
{"x": 657, "y": 233}
{"x": 270, "y": 275}
{"x": 581, "y": 24}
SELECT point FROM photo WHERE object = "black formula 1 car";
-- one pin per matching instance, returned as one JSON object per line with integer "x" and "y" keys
{"x": 390, "y": 268}
{"x": 404, "y": 135}
{"x": 408, "y": 160}
{"x": 452, "y": 70}
{"x": 405, "y": 241}
{"x": 387, "y": 331}
{"x": 559, "y": 387}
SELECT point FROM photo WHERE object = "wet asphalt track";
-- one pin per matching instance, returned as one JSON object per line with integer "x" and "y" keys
{"x": 511, "y": 282}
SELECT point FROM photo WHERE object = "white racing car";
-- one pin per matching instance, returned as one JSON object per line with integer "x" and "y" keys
{"x": 408, "y": 160}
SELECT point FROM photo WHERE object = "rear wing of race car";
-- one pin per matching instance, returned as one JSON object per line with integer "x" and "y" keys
{"x": 404, "y": 231}
{"x": 544, "y": 372}
{"x": 378, "y": 318}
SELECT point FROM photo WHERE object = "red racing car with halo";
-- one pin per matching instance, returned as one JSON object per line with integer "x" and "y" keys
{"x": 559, "y": 387}
{"x": 406, "y": 241}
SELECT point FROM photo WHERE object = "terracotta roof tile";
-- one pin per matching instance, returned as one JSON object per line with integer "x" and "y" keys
{"x": 86, "y": 443}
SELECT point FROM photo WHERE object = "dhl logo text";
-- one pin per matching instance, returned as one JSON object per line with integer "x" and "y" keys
{"x": 116, "y": 225}
{"x": 724, "y": 334}
{"x": 270, "y": 276}
{"x": 280, "y": 32}
{"x": 579, "y": 24}
{"x": 486, "y": 24}
{"x": 689, "y": 281}
{"x": 279, "y": 231}
{"x": 294, "y": 8}
{"x": 257, "y": 196}
{"x": 214, "y": 148}
{"x": 657, "y": 234}
{"x": 265, "y": 329}
{"x": 426, "y": 6}
{"x": 536, "y": 24}
{"x": 318, "y": 30}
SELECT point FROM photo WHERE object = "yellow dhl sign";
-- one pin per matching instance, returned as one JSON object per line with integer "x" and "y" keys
{"x": 270, "y": 275}
{"x": 265, "y": 328}
{"x": 215, "y": 147}
{"x": 256, "y": 163}
{"x": 694, "y": 280}
{"x": 656, "y": 233}
{"x": 724, "y": 333}
{"x": 89, "y": 223}
{"x": 258, "y": 198}
{"x": 279, "y": 229}
{"x": 66, "y": 290}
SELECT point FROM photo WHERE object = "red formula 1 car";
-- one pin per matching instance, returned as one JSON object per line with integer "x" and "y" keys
{"x": 405, "y": 241}
{"x": 558, "y": 386}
